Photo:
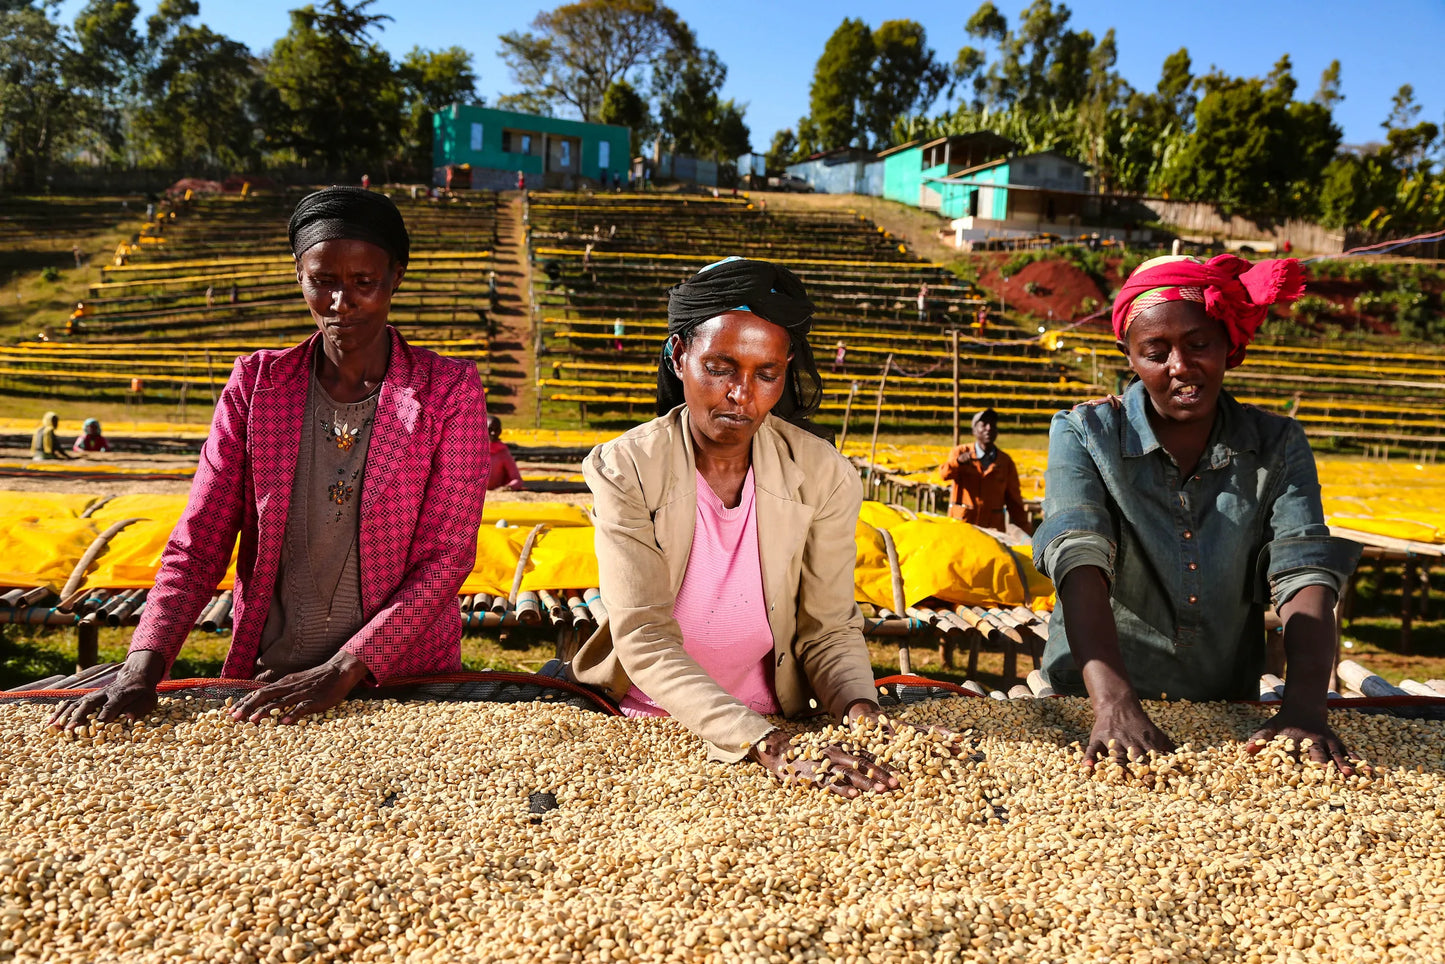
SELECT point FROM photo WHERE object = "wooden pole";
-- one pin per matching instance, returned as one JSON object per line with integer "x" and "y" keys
{"x": 1406, "y": 605}
{"x": 877, "y": 418}
{"x": 954, "y": 333}
{"x": 847, "y": 413}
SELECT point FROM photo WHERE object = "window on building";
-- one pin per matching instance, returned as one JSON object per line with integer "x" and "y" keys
{"x": 565, "y": 154}
{"x": 515, "y": 142}
{"x": 476, "y": 137}
{"x": 1030, "y": 169}
{"x": 604, "y": 155}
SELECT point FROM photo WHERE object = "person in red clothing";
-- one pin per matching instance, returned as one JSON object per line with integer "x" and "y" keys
{"x": 985, "y": 480}
{"x": 504, "y": 473}
{"x": 90, "y": 439}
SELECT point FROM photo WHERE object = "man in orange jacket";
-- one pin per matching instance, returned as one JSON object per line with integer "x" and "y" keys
{"x": 985, "y": 480}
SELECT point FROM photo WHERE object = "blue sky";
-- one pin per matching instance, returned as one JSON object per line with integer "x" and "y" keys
{"x": 770, "y": 47}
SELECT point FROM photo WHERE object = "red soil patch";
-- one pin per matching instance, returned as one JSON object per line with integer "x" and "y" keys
{"x": 1059, "y": 290}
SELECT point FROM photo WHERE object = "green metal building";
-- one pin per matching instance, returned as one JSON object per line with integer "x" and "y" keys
{"x": 552, "y": 153}
{"x": 910, "y": 170}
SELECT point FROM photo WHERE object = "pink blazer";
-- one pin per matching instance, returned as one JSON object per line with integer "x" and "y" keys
{"x": 421, "y": 504}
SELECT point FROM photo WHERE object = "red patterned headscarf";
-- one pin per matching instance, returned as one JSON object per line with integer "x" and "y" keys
{"x": 1232, "y": 290}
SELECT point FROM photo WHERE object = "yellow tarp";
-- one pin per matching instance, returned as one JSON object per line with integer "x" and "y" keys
{"x": 562, "y": 559}
{"x": 534, "y": 513}
{"x": 133, "y": 557}
{"x": 41, "y": 505}
{"x": 42, "y": 551}
{"x": 497, "y": 553}
{"x": 158, "y": 508}
{"x": 942, "y": 557}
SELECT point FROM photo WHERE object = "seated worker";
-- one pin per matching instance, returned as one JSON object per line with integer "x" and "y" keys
{"x": 90, "y": 439}
{"x": 348, "y": 466}
{"x": 985, "y": 480}
{"x": 504, "y": 473}
{"x": 706, "y": 621}
{"x": 1172, "y": 513}
{"x": 43, "y": 447}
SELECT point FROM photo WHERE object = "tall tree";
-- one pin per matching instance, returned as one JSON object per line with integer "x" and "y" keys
{"x": 198, "y": 93}
{"x": 782, "y": 152}
{"x": 841, "y": 82}
{"x": 41, "y": 111}
{"x": 905, "y": 76}
{"x": 336, "y": 97}
{"x": 1175, "y": 91}
{"x": 691, "y": 118}
{"x": 574, "y": 53}
{"x": 1255, "y": 150}
{"x": 624, "y": 106}
{"x": 109, "y": 69}
{"x": 1408, "y": 143}
{"x": 431, "y": 80}
{"x": 1329, "y": 96}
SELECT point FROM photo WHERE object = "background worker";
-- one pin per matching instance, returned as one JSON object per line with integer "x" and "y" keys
{"x": 504, "y": 473}
{"x": 90, "y": 439}
{"x": 985, "y": 480}
{"x": 43, "y": 446}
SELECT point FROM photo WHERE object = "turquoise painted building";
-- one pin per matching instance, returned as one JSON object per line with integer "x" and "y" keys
{"x": 911, "y": 170}
{"x": 551, "y": 152}
{"x": 1045, "y": 188}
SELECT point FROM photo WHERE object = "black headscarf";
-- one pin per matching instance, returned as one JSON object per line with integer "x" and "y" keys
{"x": 769, "y": 291}
{"x": 353, "y": 213}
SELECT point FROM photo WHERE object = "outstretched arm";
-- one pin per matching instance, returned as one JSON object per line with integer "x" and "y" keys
{"x": 1121, "y": 727}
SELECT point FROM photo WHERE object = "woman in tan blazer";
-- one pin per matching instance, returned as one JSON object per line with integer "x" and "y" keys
{"x": 719, "y": 633}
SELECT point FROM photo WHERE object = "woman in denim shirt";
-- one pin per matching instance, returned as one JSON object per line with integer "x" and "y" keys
{"x": 1170, "y": 513}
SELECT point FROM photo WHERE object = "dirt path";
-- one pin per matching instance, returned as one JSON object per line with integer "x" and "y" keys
{"x": 511, "y": 392}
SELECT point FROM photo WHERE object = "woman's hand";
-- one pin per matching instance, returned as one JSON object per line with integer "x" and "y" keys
{"x": 942, "y": 738}
{"x": 1311, "y": 734}
{"x": 132, "y": 694}
{"x": 842, "y": 772}
{"x": 1125, "y": 732}
{"x": 305, "y": 692}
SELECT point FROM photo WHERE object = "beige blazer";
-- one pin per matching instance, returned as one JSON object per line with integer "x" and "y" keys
{"x": 644, "y": 489}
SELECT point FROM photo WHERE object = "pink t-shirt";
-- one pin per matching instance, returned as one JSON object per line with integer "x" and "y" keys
{"x": 720, "y": 606}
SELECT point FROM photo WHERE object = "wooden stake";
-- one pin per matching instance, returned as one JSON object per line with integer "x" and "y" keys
{"x": 847, "y": 413}
{"x": 954, "y": 333}
{"x": 877, "y": 417}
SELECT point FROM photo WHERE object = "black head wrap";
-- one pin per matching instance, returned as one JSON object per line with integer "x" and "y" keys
{"x": 353, "y": 213}
{"x": 769, "y": 291}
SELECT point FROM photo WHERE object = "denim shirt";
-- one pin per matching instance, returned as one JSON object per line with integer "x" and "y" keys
{"x": 1189, "y": 565}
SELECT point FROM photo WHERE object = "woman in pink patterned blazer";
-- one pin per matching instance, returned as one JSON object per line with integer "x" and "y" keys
{"x": 352, "y": 467}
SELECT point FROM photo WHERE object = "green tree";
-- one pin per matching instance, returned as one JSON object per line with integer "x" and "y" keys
{"x": 109, "y": 70}
{"x": 1255, "y": 150}
{"x": 692, "y": 119}
{"x": 1408, "y": 142}
{"x": 841, "y": 82}
{"x": 1174, "y": 94}
{"x": 1329, "y": 96}
{"x": 1352, "y": 188}
{"x": 731, "y": 136}
{"x": 1043, "y": 62}
{"x": 782, "y": 152}
{"x": 574, "y": 53}
{"x": 624, "y": 106}
{"x": 905, "y": 76}
{"x": 432, "y": 80}
{"x": 41, "y": 110}
{"x": 197, "y": 93}
{"x": 335, "y": 98}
